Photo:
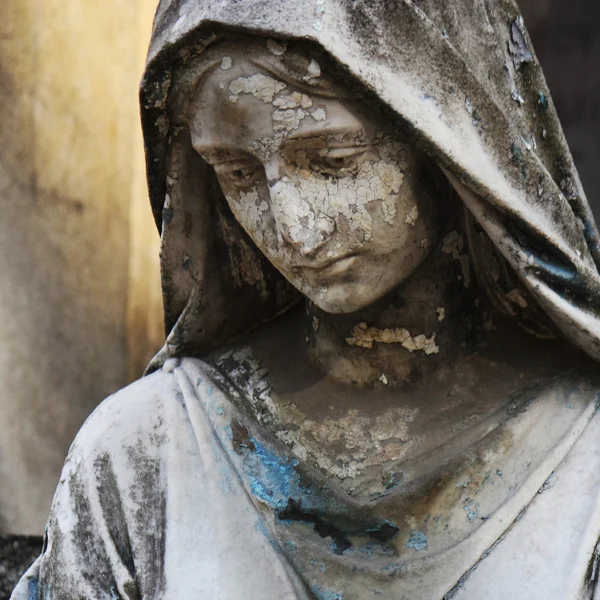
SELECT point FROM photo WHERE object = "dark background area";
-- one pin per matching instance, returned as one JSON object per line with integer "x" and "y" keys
{"x": 566, "y": 38}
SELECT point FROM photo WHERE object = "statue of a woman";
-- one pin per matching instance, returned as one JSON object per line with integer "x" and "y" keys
{"x": 382, "y": 295}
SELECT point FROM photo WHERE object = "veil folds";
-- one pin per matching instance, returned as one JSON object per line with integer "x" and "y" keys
{"x": 460, "y": 74}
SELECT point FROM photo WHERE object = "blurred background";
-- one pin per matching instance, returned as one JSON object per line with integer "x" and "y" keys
{"x": 80, "y": 310}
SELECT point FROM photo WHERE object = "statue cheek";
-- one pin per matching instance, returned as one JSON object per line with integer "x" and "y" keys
{"x": 251, "y": 210}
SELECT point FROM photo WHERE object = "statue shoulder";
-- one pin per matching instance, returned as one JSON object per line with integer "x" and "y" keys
{"x": 147, "y": 413}
{"x": 137, "y": 413}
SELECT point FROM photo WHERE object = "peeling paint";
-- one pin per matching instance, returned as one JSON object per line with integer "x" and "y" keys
{"x": 364, "y": 336}
{"x": 319, "y": 114}
{"x": 343, "y": 446}
{"x": 412, "y": 216}
{"x": 319, "y": 199}
{"x": 293, "y": 100}
{"x": 471, "y": 509}
{"x": 517, "y": 44}
{"x": 367, "y": 441}
{"x": 260, "y": 86}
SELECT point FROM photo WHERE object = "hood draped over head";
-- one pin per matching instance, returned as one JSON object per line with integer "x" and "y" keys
{"x": 461, "y": 76}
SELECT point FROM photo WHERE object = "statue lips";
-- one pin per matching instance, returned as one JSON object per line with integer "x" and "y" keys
{"x": 336, "y": 266}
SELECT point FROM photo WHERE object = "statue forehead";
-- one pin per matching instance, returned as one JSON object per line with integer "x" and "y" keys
{"x": 240, "y": 97}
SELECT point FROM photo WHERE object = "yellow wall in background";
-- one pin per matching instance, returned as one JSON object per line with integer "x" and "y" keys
{"x": 79, "y": 298}
{"x": 145, "y": 314}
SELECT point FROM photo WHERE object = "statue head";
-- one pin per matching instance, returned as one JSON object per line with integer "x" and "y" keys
{"x": 325, "y": 186}
{"x": 288, "y": 147}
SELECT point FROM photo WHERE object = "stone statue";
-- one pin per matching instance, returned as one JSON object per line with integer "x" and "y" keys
{"x": 381, "y": 296}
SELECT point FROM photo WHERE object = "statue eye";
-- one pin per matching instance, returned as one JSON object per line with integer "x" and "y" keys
{"x": 242, "y": 175}
{"x": 338, "y": 162}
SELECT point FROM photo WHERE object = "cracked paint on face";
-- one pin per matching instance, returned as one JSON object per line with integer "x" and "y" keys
{"x": 327, "y": 190}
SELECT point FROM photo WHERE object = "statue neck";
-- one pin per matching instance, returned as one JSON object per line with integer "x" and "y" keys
{"x": 434, "y": 315}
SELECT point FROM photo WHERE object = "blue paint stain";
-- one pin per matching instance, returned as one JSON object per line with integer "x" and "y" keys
{"x": 319, "y": 565}
{"x": 417, "y": 541}
{"x": 274, "y": 479}
{"x": 325, "y": 594}
{"x": 486, "y": 478}
{"x": 33, "y": 589}
{"x": 471, "y": 508}
{"x": 557, "y": 274}
{"x": 261, "y": 492}
{"x": 220, "y": 410}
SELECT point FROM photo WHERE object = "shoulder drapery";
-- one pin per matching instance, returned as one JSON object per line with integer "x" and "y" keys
{"x": 169, "y": 491}
{"x": 149, "y": 507}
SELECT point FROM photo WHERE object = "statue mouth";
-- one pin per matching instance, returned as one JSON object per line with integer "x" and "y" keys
{"x": 331, "y": 266}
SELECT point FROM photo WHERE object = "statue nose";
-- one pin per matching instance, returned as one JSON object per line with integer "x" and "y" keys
{"x": 297, "y": 214}
{"x": 307, "y": 240}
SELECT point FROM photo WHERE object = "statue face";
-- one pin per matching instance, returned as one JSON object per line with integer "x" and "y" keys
{"x": 324, "y": 186}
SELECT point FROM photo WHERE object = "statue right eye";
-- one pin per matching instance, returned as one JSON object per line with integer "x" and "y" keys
{"x": 241, "y": 175}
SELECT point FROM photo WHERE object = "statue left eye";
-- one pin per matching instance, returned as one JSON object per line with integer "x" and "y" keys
{"x": 338, "y": 161}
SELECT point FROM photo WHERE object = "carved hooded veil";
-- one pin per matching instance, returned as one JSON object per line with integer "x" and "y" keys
{"x": 460, "y": 76}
